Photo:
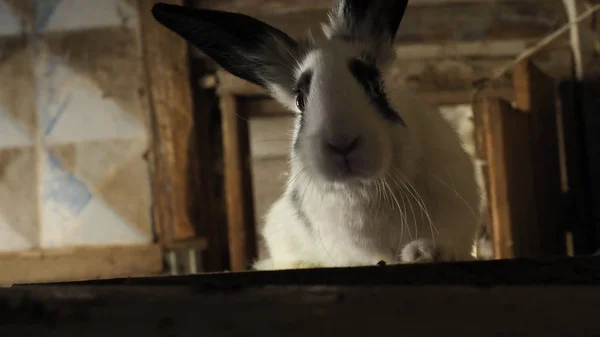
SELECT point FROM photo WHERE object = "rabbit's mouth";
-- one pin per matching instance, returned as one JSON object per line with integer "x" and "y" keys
{"x": 349, "y": 171}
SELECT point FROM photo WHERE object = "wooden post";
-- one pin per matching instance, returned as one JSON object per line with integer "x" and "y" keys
{"x": 503, "y": 134}
{"x": 536, "y": 94}
{"x": 238, "y": 185}
{"x": 170, "y": 100}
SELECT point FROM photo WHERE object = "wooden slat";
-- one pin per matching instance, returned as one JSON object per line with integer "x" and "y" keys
{"x": 505, "y": 135}
{"x": 287, "y": 6}
{"x": 535, "y": 93}
{"x": 590, "y": 110}
{"x": 295, "y": 312}
{"x": 206, "y": 200}
{"x": 516, "y": 298}
{"x": 75, "y": 264}
{"x": 578, "y": 201}
{"x": 228, "y": 84}
{"x": 444, "y": 21}
{"x": 515, "y": 272}
{"x": 166, "y": 65}
{"x": 238, "y": 185}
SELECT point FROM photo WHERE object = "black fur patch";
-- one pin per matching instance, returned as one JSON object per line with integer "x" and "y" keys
{"x": 370, "y": 79}
{"x": 244, "y": 46}
{"x": 297, "y": 203}
{"x": 302, "y": 86}
{"x": 381, "y": 18}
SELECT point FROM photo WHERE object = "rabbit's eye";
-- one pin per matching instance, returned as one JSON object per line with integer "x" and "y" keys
{"x": 300, "y": 101}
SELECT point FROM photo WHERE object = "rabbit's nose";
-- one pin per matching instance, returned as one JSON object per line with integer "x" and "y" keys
{"x": 341, "y": 146}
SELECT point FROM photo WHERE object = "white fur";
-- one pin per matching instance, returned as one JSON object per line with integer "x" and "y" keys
{"x": 357, "y": 225}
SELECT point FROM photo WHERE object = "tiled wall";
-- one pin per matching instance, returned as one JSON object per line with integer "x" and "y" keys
{"x": 73, "y": 125}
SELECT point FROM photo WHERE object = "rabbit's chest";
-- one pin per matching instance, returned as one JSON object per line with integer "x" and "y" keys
{"x": 347, "y": 234}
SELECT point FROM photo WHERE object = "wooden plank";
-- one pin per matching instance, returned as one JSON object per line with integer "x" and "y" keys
{"x": 578, "y": 203}
{"x": 520, "y": 297}
{"x": 505, "y": 134}
{"x": 206, "y": 200}
{"x": 469, "y": 21}
{"x": 80, "y": 263}
{"x": 590, "y": 107}
{"x": 516, "y": 272}
{"x": 263, "y": 106}
{"x": 228, "y": 84}
{"x": 535, "y": 93}
{"x": 287, "y": 6}
{"x": 166, "y": 63}
{"x": 348, "y": 311}
{"x": 238, "y": 185}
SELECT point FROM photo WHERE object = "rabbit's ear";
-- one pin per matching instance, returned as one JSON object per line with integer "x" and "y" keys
{"x": 244, "y": 46}
{"x": 366, "y": 20}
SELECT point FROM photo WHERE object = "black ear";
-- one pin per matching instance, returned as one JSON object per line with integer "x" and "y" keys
{"x": 366, "y": 19}
{"x": 244, "y": 46}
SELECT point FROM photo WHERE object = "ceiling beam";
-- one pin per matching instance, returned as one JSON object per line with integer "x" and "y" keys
{"x": 456, "y": 20}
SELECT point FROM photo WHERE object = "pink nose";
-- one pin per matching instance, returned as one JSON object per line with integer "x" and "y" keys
{"x": 342, "y": 147}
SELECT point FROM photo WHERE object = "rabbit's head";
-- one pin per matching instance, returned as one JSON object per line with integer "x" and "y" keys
{"x": 350, "y": 129}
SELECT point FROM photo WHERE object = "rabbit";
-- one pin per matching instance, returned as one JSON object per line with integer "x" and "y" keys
{"x": 376, "y": 174}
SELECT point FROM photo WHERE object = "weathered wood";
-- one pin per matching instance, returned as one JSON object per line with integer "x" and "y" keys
{"x": 590, "y": 108}
{"x": 505, "y": 134}
{"x": 319, "y": 311}
{"x": 228, "y": 84}
{"x": 166, "y": 64}
{"x": 578, "y": 201}
{"x": 80, "y": 263}
{"x": 519, "y": 297}
{"x": 206, "y": 201}
{"x": 287, "y": 6}
{"x": 444, "y": 21}
{"x": 469, "y": 50}
{"x": 535, "y": 93}
{"x": 238, "y": 185}
{"x": 518, "y": 271}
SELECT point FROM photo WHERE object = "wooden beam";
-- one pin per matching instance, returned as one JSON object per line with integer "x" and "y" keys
{"x": 287, "y": 6}
{"x": 536, "y": 94}
{"x": 80, "y": 263}
{"x": 170, "y": 101}
{"x": 424, "y": 20}
{"x": 579, "y": 203}
{"x": 519, "y": 298}
{"x": 238, "y": 185}
{"x": 446, "y": 94}
{"x": 301, "y": 311}
{"x": 515, "y": 272}
{"x": 503, "y": 135}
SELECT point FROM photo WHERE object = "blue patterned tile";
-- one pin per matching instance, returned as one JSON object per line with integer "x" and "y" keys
{"x": 62, "y": 188}
{"x": 63, "y": 15}
{"x": 72, "y": 109}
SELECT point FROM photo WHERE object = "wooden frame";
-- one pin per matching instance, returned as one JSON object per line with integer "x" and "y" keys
{"x": 520, "y": 146}
{"x": 238, "y": 185}
{"x": 80, "y": 263}
{"x": 167, "y": 69}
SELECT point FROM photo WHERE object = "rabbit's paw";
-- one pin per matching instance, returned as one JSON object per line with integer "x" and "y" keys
{"x": 420, "y": 251}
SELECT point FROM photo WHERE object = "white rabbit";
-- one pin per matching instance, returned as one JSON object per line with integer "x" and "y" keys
{"x": 376, "y": 174}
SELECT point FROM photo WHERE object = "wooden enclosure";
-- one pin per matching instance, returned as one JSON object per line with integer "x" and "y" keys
{"x": 520, "y": 146}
